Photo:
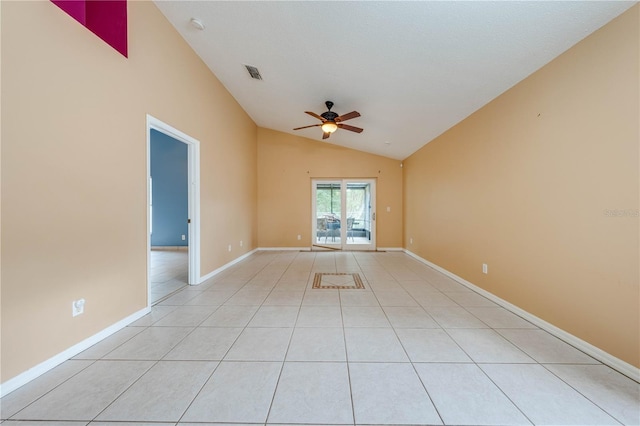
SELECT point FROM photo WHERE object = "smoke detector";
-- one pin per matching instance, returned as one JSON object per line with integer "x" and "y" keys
{"x": 197, "y": 24}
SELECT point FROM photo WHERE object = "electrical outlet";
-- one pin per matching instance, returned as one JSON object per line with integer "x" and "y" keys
{"x": 299, "y": 237}
{"x": 229, "y": 247}
{"x": 388, "y": 209}
{"x": 184, "y": 237}
{"x": 240, "y": 243}
{"x": 77, "y": 307}
{"x": 485, "y": 268}
{"x": 410, "y": 240}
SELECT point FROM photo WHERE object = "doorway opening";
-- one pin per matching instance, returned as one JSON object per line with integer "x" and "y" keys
{"x": 173, "y": 229}
{"x": 343, "y": 214}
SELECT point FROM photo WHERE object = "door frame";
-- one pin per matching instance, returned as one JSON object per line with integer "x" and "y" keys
{"x": 193, "y": 173}
{"x": 344, "y": 244}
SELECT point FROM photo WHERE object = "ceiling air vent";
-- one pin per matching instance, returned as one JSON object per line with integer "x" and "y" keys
{"x": 253, "y": 72}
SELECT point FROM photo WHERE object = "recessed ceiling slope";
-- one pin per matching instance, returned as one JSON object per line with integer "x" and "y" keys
{"x": 412, "y": 69}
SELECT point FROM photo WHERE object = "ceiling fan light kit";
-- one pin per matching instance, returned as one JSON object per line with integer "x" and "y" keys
{"x": 329, "y": 127}
{"x": 332, "y": 121}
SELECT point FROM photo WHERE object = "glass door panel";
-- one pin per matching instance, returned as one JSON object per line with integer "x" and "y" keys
{"x": 359, "y": 214}
{"x": 328, "y": 212}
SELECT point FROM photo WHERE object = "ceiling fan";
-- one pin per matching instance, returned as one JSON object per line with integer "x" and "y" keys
{"x": 332, "y": 121}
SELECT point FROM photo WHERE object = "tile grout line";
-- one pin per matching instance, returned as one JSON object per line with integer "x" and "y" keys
{"x": 578, "y": 391}
{"x": 284, "y": 359}
{"x": 435, "y": 407}
{"x": 346, "y": 355}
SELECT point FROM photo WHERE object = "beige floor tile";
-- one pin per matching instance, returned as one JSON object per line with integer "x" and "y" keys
{"x": 25, "y": 395}
{"x": 260, "y": 344}
{"x": 409, "y": 317}
{"x": 180, "y": 298}
{"x": 430, "y": 345}
{"x": 364, "y": 316}
{"x": 390, "y": 394}
{"x": 395, "y": 298}
{"x": 618, "y": 395}
{"x": 317, "y": 344}
{"x": 373, "y": 345}
{"x": 248, "y": 297}
{"x": 211, "y": 298}
{"x": 544, "y": 398}
{"x": 284, "y": 298}
{"x": 432, "y": 299}
{"x": 469, "y": 298}
{"x": 454, "y": 317}
{"x": 312, "y": 393}
{"x": 464, "y": 395}
{"x": 496, "y": 317}
{"x": 86, "y": 394}
{"x": 275, "y": 316}
{"x": 205, "y": 344}
{"x": 321, "y": 297}
{"x": 319, "y": 316}
{"x": 162, "y": 394}
{"x": 487, "y": 346}
{"x": 231, "y": 316}
{"x": 186, "y": 316}
{"x": 545, "y": 348}
{"x": 236, "y": 392}
{"x": 358, "y": 298}
{"x": 151, "y": 344}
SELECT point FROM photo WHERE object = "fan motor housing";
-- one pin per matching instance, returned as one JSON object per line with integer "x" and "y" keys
{"x": 329, "y": 115}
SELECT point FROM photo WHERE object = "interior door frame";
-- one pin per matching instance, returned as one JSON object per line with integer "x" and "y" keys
{"x": 344, "y": 244}
{"x": 193, "y": 173}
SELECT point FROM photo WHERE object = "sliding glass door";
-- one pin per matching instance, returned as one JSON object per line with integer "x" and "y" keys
{"x": 343, "y": 214}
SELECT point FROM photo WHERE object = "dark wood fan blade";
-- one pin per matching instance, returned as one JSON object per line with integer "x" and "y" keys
{"x": 349, "y": 116}
{"x": 326, "y": 135}
{"x": 304, "y": 127}
{"x": 351, "y": 128}
{"x": 313, "y": 114}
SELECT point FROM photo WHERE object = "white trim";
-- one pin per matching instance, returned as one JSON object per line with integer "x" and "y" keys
{"x": 226, "y": 266}
{"x": 390, "y": 249}
{"x": 35, "y": 372}
{"x": 194, "y": 195}
{"x": 597, "y": 353}
{"x": 284, "y": 249}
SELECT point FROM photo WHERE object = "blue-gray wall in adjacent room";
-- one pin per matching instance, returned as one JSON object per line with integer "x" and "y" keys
{"x": 169, "y": 173}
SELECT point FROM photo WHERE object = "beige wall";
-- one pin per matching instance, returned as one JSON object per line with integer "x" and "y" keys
{"x": 286, "y": 165}
{"x": 74, "y": 171}
{"x": 524, "y": 184}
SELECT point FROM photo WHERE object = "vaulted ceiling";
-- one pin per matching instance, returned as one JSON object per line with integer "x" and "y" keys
{"x": 412, "y": 69}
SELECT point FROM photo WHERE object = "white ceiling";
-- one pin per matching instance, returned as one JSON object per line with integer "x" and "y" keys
{"x": 412, "y": 69}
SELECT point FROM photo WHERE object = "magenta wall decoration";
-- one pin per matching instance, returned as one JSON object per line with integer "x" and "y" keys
{"x": 105, "y": 18}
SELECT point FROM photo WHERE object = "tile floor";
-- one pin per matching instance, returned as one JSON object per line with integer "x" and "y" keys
{"x": 258, "y": 345}
{"x": 169, "y": 272}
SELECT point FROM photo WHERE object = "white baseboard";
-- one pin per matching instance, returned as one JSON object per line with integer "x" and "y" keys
{"x": 284, "y": 249}
{"x": 225, "y": 266}
{"x": 34, "y": 372}
{"x": 170, "y": 248}
{"x": 593, "y": 351}
{"x": 310, "y": 249}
